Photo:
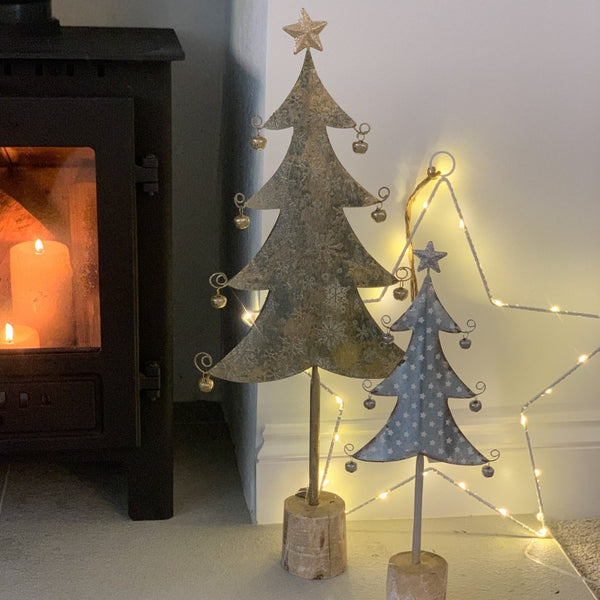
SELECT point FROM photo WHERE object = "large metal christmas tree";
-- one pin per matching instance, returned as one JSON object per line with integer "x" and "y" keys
{"x": 312, "y": 262}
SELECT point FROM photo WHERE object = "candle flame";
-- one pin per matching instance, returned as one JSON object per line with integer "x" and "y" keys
{"x": 8, "y": 333}
{"x": 39, "y": 247}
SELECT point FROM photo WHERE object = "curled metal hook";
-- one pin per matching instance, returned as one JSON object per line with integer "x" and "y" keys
{"x": 384, "y": 193}
{"x": 203, "y": 362}
{"x": 240, "y": 200}
{"x": 480, "y": 387}
{"x": 348, "y": 449}
{"x": 367, "y": 385}
{"x": 403, "y": 274}
{"x": 256, "y": 122}
{"x": 386, "y": 321}
{"x": 495, "y": 454}
{"x": 218, "y": 280}
{"x": 472, "y": 325}
{"x": 465, "y": 342}
{"x": 362, "y": 129}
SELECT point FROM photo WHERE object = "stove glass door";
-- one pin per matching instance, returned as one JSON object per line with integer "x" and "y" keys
{"x": 49, "y": 286}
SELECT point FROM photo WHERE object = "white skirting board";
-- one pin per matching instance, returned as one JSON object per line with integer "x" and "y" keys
{"x": 566, "y": 447}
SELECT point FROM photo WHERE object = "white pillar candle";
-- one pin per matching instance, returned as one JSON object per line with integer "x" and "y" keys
{"x": 18, "y": 336}
{"x": 42, "y": 291}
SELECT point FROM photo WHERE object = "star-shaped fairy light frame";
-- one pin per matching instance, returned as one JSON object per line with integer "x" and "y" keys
{"x": 442, "y": 178}
{"x": 430, "y": 258}
{"x": 306, "y": 32}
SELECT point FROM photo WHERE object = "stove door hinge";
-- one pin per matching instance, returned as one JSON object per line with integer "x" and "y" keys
{"x": 147, "y": 174}
{"x": 150, "y": 381}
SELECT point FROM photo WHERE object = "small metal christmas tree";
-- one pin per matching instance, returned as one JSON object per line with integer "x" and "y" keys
{"x": 421, "y": 423}
{"x": 312, "y": 264}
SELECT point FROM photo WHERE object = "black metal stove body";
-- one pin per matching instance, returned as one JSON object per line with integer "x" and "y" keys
{"x": 85, "y": 162}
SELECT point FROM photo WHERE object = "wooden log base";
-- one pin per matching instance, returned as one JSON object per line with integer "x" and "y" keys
{"x": 426, "y": 580}
{"x": 314, "y": 537}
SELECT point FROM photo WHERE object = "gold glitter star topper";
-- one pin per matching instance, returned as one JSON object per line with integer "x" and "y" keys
{"x": 306, "y": 32}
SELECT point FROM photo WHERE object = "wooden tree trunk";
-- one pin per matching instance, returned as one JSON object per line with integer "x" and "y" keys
{"x": 314, "y": 537}
{"x": 425, "y": 580}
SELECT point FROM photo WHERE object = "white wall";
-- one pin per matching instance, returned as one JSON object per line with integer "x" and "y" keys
{"x": 511, "y": 90}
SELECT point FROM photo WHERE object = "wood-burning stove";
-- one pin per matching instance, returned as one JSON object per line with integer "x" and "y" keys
{"x": 85, "y": 246}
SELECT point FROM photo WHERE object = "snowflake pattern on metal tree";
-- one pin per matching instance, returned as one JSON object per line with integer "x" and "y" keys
{"x": 312, "y": 262}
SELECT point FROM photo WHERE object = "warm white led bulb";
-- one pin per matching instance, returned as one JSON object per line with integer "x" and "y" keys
{"x": 537, "y": 472}
{"x": 336, "y": 437}
{"x": 523, "y": 421}
{"x": 462, "y": 485}
{"x": 555, "y": 308}
{"x": 542, "y": 532}
{"x": 503, "y": 511}
{"x": 497, "y": 302}
{"x": 540, "y": 516}
{"x": 461, "y": 224}
{"x": 383, "y": 495}
{"x": 582, "y": 358}
{"x": 249, "y": 317}
{"x": 339, "y": 401}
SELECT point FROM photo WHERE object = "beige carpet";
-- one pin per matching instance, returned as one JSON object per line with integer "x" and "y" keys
{"x": 580, "y": 540}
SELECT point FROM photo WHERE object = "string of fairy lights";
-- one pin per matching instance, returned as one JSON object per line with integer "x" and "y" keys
{"x": 442, "y": 179}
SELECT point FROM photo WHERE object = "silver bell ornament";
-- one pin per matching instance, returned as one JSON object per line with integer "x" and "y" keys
{"x": 465, "y": 343}
{"x": 206, "y": 384}
{"x": 475, "y": 405}
{"x": 218, "y": 301}
{"x": 241, "y": 221}
{"x": 369, "y": 403}
{"x": 379, "y": 215}
{"x": 487, "y": 470}
{"x": 203, "y": 361}
{"x": 388, "y": 338}
{"x": 360, "y": 146}
{"x": 257, "y": 141}
{"x": 400, "y": 293}
{"x": 218, "y": 281}
{"x": 402, "y": 274}
{"x": 351, "y": 466}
